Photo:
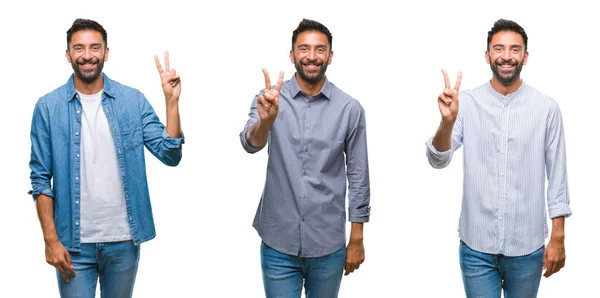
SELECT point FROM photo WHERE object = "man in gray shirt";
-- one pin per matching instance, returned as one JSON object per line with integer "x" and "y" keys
{"x": 310, "y": 126}
{"x": 513, "y": 139}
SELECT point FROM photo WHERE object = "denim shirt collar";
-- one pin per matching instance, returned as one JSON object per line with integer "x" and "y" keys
{"x": 109, "y": 88}
{"x": 295, "y": 89}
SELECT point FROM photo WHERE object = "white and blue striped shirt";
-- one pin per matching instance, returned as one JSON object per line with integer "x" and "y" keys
{"x": 511, "y": 143}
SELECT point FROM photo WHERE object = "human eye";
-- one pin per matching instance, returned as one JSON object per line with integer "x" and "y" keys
{"x": 77, "y": 48}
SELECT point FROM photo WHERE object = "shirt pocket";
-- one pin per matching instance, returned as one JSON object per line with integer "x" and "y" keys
{"x": 131, "y": 135}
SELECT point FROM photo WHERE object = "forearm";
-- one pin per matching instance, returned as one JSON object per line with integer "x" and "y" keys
{"x": 442, "y": 141}
{"x": 558, "y": 228}
{"x": 173, "y": 121}
{"x": 356, "y": 232}
{"x": 45, "y": 209}
{"x": 258, "y": 134}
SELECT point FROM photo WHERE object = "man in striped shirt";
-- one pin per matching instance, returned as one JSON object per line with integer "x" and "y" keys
{"x": 513, "y": 139}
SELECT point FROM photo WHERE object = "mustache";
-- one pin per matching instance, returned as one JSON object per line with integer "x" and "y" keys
{"x": 311, "y": 62}
{"x": 84, "y": 61}
{"x": 501, "y": 61}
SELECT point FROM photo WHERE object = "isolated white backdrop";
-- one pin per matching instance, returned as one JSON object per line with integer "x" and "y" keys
{"x": 388, "y": 55}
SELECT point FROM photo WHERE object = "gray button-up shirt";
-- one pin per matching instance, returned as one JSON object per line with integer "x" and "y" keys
{"x": 302, "y": 208}
{"x": 511, "y": 144}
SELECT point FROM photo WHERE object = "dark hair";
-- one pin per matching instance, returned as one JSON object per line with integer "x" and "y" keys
{"x": 506, "y": 25}
{"x": 84, "y": 24}
{"x": 310, "y": 25}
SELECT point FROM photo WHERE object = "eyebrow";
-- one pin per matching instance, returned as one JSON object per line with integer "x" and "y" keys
{"x": 82, "y": 45}
{"x": 512, "y": 46}
{"x": 316, "y": 46}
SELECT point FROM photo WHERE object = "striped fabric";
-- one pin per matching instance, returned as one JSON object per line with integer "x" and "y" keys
{"x": 511, "y": 144}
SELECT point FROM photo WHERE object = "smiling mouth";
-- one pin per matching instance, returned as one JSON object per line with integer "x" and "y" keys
{"x": 87, "y": 66}
{"x": 506, "y": 66}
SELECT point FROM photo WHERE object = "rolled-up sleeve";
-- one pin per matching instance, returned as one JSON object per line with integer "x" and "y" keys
{"x": 162, "y": 145}
{"x": 556, "y": 167}
{"x": 441, "y": 159}
{"x": 357, "y": 167}
{"x": 41, "y": 154}
{"x": 252, "y": 119}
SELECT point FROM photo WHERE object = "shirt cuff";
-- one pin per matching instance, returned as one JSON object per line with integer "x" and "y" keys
{"x": 559, "y": 210}
{"x": 361, "y": 215}
{"x": 440, "y": 155}
{"x": 249, "y": 148}
{"x": 171, "y": 142}
{"x": 35, "y": 192}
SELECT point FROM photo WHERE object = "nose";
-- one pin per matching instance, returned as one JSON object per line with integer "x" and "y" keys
{"x": 506, "y": 55}
{"x": 312, "y": 54}
{"x": 87, "y": 53}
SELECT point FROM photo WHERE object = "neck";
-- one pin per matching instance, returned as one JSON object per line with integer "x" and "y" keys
{"x": 506, "y": 88}
{"x": 88, "y": 88}
{"x": 311, "y": 89}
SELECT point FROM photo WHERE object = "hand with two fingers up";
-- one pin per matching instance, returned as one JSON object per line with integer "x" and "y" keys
{"x": 448, "y": 99}
{"x": 268, "y": 101}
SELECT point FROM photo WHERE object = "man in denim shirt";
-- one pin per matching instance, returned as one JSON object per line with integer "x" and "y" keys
{"x": 88, "y": 172}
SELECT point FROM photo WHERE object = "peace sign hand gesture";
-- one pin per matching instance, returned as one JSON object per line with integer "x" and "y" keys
{"x": 171, "y": 82}
{"x": 448, "y": 99}
{"x": 268, "y": 101}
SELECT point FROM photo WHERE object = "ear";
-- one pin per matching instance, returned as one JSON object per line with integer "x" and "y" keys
{"x": 68, "y": 55}
{"x": 525, "y": 58}
{"x": 106, "y": 54}
{"x": 330, "y": 58}
{"x": 292, "y": 56}
{"x": 487, "y": 57}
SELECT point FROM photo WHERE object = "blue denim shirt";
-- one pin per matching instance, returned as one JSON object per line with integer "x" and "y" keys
{"x": 55, "y": 151}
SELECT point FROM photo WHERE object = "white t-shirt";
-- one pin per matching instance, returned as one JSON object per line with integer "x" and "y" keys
{"x": 103, "y": 210}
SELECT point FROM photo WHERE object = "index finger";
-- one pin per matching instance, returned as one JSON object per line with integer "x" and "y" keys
{"x": 458, "y": 81}
{"x": 167, "y": 64}
{"x": 279, "y": 82}
{"x": 446, "y": 79}
{"x": 158, "y": 66}
{"x": 267, "y": 79}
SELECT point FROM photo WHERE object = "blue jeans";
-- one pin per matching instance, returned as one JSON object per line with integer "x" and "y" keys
{"x": 283, "y": 274}
{"x": 485, "y": 275}
{"x": 115, "y": 263}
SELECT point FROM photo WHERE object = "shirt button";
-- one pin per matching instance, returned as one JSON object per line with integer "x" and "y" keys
{"x": 306, "y": 149}
{"x": 502, "y": 174}
{"x": 303, "y": 196}
{"x": 77, "y": 178}
{"x": 309, "y": 105}
{"x": 307, "y": 126}
{"x": 78, "y": 111}
{"x": 303, "y": 218}
{"x": 77, "y": 155}
{"x": 76, "y": 133}
{"x": 304, "y": 173}
{"x": 77, "y": 202}
{"x": 76, "y": 223}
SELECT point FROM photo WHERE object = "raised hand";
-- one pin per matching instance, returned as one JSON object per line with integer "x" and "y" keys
{"x": 268, "y": 101}
{"x": 448, "y": 99}
{"x": 171, "y": 83}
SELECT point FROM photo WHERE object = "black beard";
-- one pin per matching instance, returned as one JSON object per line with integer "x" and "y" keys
{"x": 88, "y": 78}
{"x": 505, "y": 80}
{"x": 305, "y": 77}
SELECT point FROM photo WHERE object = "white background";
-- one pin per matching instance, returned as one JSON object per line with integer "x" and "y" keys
{"x": 388, "y": 56}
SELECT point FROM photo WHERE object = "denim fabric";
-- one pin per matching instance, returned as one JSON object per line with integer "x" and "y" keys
{"x": 55, "y": 154}
{"x": 115, "y": 263}
{"x": 284, "y": 275}
{"x": 486, "y": 275}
